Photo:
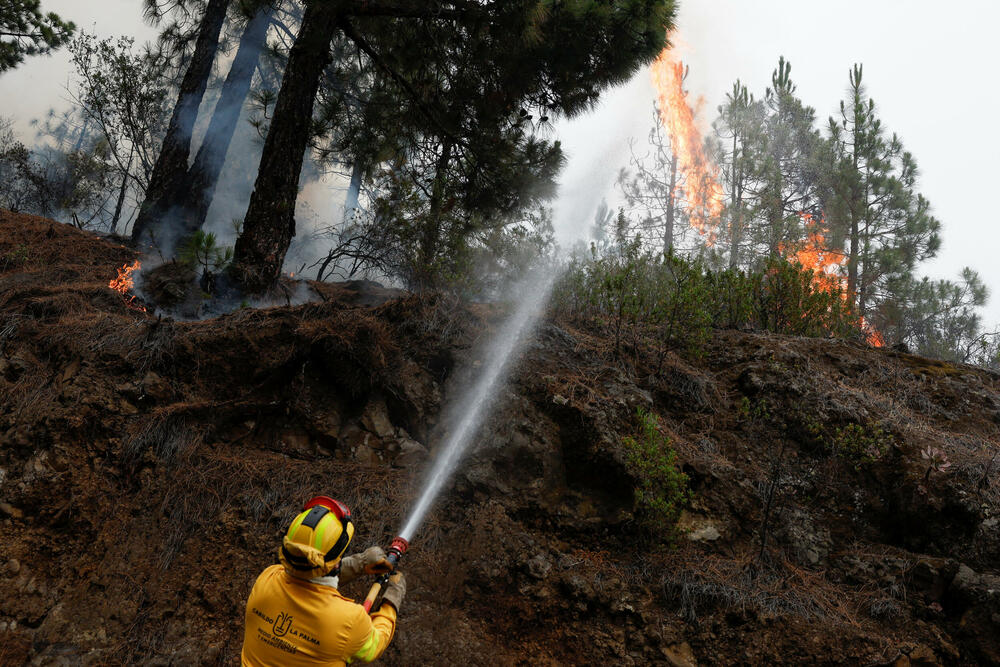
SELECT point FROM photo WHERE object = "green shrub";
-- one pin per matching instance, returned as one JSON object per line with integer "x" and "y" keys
{"x": 754, "y": 412}
{"x": 646, "y": 300}
{"x": 787, "y": 301}
{"x": 662, "y": 490}
{"x": 859, "y": 445}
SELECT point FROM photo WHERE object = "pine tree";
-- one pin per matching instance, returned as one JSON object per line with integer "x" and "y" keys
{"x": 203, "y": 175}
{"x": 25, "y": 31}
{"x": 543, "y": 55}
{"x": 873, "y": 203}
{"x": 738, "y": 130}
{"x": 789, "y": 167}
{"x": 935, "y": 318}
{"x": 655, "y": 189}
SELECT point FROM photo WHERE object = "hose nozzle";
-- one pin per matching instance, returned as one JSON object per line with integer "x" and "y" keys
{"x": 394, "y": 553}
{"x": 396, "y": 550}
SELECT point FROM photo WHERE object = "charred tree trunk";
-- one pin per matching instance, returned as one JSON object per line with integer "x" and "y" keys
{"x": 270, "y": 220}
{"x": 172, "y": 163}
{"x": 204, "y": 173}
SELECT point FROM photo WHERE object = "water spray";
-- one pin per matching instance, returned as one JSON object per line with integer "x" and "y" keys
{"x": 469, "y": 414}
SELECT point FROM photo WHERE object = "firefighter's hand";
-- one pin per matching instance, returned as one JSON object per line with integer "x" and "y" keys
{"x": 371, "y": 561}
{"x": 395, "y": 590}
{"x": 375, "y": 561}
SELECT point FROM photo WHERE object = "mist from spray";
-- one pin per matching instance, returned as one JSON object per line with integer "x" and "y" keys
{"x": 470, "y": 413}
{"x": 587, "y": 179}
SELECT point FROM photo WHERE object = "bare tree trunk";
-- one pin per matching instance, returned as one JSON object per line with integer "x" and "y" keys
{"x": 432, "y": 227}
{"x": 204, "y": 173}
{"x": 736, "y": 220}
{"x": 121, "y": 194}
{"x": 353, "y": 191}
{"x": 172, "y": 163}
{"x": 270, "y": 220}
{"x": 668, "y": 227}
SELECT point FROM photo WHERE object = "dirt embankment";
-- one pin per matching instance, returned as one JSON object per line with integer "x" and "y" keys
{"x": 147, "y": 467}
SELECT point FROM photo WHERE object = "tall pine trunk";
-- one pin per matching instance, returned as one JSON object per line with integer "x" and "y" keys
{"x": 122, "y": 191}
{"x": 269, "y": 224}
{"x": 171, "y": 166}
{"x": 668, "y": 227}
{"x": 204, "y": 173}
{"x": 431, "y": 236}
{"x": 736, "y": 216}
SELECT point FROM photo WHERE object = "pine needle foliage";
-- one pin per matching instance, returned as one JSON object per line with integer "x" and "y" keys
{"x": 662, "y": 491}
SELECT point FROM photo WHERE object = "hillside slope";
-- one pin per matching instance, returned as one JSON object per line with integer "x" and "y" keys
{"x": 148, "y": 467}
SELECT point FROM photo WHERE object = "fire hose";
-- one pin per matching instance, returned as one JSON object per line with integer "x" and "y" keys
{"x": 393, "y": 554}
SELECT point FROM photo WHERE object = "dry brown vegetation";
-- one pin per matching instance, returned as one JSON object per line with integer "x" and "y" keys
{"x": 147, "y": 467}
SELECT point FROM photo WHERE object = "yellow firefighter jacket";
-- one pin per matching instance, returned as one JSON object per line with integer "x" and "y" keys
{"x": 294, "y": 622}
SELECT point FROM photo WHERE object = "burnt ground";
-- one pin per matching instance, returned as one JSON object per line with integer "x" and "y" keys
{"x": 148, "y": 466}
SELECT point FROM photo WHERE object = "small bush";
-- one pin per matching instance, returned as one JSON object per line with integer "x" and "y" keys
{"x": 663, "y": 489}
{"x": 859, "y": 445}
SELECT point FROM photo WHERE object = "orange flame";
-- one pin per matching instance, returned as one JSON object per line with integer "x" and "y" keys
{"x": 701, "y": 177}
{"x": 827, "y": 266}
{"x": 872, "y": 335}
{"x": 123, "y": 285}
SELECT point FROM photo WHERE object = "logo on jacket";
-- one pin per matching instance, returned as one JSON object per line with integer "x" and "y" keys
{"x": 282, "y": 624}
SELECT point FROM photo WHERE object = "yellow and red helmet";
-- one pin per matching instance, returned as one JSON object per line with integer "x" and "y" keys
{"x": 317, "y": 538}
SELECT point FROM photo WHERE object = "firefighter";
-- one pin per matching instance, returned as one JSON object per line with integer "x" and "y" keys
{"x": 295, "y": 614}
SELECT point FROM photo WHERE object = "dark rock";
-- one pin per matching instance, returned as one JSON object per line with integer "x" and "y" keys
{"x": 11, "y": 511}
{"x": 375, "y": 419}
{"x": 156, "y": 388}
{"x": 539, "y": 566}
{"x": 411, "y": 453}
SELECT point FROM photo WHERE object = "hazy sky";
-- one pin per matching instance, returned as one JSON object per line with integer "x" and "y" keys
{"x": 927, "y": 65}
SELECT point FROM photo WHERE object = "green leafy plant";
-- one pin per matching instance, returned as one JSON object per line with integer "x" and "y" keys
{"x": 655, "y": 302}
{"x": 753, "y": 411}
{"x": 662, "y": 490}
{"x": 860, "y": 445}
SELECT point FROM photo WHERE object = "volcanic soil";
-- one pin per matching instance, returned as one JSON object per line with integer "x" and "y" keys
{"x": 846, "y": 507}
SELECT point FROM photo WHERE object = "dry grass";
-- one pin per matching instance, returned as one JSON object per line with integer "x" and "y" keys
{"x": 777, "y": 588}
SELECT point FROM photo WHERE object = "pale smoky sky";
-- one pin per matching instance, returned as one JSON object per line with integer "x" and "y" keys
{"x": 928, "y": 66}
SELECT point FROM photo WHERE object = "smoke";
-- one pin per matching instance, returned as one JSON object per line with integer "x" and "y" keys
{"x": 596, "y": 145}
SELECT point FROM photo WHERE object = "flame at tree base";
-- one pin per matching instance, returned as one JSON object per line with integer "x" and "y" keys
{"x": 872, "y": 336}
{"x": 123, "y": 284}
{"x": 827, "y": 266}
